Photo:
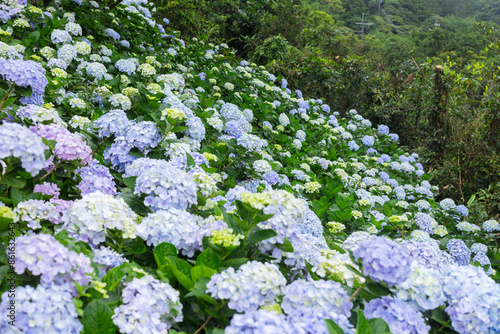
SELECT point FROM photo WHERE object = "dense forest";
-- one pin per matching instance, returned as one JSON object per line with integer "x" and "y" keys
{"x": 426, "y": 68}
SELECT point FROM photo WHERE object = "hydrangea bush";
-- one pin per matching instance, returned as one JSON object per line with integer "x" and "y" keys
{"x": 154, "y": 185}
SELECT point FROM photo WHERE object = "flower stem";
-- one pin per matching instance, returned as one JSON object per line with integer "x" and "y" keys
{"x": 204, "y": 324}
{"x": 357, "y": 291}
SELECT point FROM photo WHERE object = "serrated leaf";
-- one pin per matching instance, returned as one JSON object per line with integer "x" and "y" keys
{"x": 96, "y": 318}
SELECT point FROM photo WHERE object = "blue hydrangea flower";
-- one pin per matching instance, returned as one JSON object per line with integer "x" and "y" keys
{"x": 400, "y": 316}
{"x": 175, "y": 226}
{"x": 384, "y": 260}
{"x": 257, "y": 322}
{"x": 473, "y": 300}
{"x": 164, "y": 185}
{"x": 491, "y": 226}
{"x": 271, "y": 177}
{"x": 312, "y": 301}
{"x": 149, "y": 306}
{"x": 113, "y": 34}
{"x": 143, "y": 135}
{"x": 44, "y": 309}
{"x": 114, "y": 122}
{"x": 106, "y": 258}
{"x": 18, "y": 141}
{"x": 126, "y": 65}
{"x": 368, "y": 140}
{"x": 422, "y": 289}
{"x": 254, "y": 284}
{"x": 24, "y": 73}
{"x": 459, "y": 251}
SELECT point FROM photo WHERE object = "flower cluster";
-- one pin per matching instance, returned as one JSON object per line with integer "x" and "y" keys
{"x": 150, "y": 306}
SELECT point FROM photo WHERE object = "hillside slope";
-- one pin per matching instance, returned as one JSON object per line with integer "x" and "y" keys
{"x": 156, "y": 185}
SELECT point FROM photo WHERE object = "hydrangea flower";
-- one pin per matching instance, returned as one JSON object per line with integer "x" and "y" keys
{"x": 96, "y": 177}
{"x": 107, "y": 259}
{"x": 175, "y": 226}
{"x": 46, "y": 257}
{"x": 165, "y": 185}
{"x": 24, "y": 73}
{"x": 422, "y": 289}
{"x": 260, "y": 321}
{"x": 459, "y": 251}
{"x": 68, "y": 146}
{"x": 113, "y": 34}
{"x": 60, "y": 36}
{"x": 254, "y": 284}
{"x": 309, "y": 302}
{"x": 384, "y": 260}
{"x": 88, "y": 218}
{"x": 114, "y": 122}
{"x": 473, "y": 300}
{"x": 149, "y": 306}
{"x": 44, "y": 309}
{"x": 33, "y": 212}
{"x": 400, "y": 317}
{"x": 19, "y": 142}
{"x": 491, "y": 225}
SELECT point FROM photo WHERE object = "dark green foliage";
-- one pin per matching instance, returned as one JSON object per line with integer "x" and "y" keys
{"x": 436, "y": 86}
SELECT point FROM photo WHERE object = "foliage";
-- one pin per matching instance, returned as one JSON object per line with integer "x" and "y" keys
{"x": 155, "y": 184}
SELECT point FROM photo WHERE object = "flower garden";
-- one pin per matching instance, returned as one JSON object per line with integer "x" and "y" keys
{"x": 155, "y": 185}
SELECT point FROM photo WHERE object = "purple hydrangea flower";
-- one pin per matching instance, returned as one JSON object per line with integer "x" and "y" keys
{"x": 46, "y": 257}
{"x": 96, "y": 177}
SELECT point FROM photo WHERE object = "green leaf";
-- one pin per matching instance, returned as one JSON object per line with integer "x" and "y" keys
{"x": 190, "y": 161}
{"x": 262, "y": 218}
{"x": 162, "y": 252}
{"x": 209, "y": 259}
{"x": 97, "y": 318}
{"x": 134, "y": 202}
{"x": 182, "y": 271}
{"x": 15, "y": 182}
{"x": 377, "y": 289}
{"x": 379, "y": 326}
{"x": 114, "y": 276}
{"x": 236, "y": 262}
{"x": 24, "y": 91}
{"x": 286, "y": 246}
{"x": 333, "y": 328}
{"x": 63, "y": 238}
{"x": 18, "y": 196}
{"x": 363, "y": 326}
{"x": 134, "y": 246}
{"x": 130, "y": 182}
{"x": 259, "y": 235}
{"x": 202, "y": 200}
{"x": 202, "y": 271}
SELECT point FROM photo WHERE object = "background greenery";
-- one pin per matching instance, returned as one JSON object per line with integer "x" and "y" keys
{"x": 437, "y": 86}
